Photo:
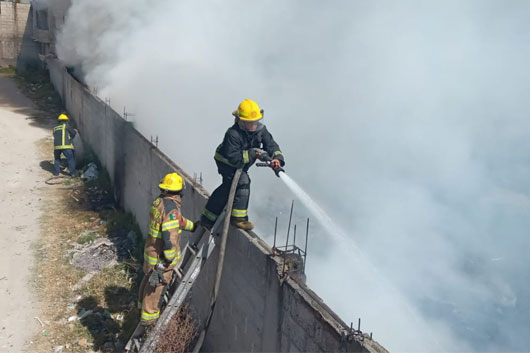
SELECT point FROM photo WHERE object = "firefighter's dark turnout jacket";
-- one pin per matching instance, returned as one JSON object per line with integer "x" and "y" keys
{"x": 233, "y": 153}
{"x": 63, "y": 134}
{"x": 161, "y": 245}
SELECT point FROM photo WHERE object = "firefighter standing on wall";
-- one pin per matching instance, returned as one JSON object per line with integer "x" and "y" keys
{"x": 162, "y": 250}
{"x": 243, "y": 143}
{"x": 63, "y": 134}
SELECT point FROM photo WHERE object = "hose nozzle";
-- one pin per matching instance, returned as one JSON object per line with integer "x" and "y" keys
{"x": 278, "y": 170}
{"x": 268, "y": 164}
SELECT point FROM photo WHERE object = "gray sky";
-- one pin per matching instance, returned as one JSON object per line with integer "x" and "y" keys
{"x": 407, "y": 121}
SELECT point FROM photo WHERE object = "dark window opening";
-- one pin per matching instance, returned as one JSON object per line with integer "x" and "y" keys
{"x": 42, "y": 19}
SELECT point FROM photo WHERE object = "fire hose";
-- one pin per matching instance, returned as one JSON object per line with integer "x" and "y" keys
{"x": 266, "y": 163}
{"x": 222, "y": 249}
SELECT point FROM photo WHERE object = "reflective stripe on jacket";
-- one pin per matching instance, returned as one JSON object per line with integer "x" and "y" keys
{"x": 62, "y": 137}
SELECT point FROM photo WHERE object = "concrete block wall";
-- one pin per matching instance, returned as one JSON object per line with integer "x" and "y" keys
{"x": 134, "y": 165}
{"x": 17, "y": 47}
{"x": 255, "y": 310}
{"x": 57, "y": 10}
{"x": 248, "y": 309}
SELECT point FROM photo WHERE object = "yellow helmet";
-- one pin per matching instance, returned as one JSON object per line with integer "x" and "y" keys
{"x": 63, "y": 117}
{"x": 172, "y": 182}
{"x": 248, "y": 110}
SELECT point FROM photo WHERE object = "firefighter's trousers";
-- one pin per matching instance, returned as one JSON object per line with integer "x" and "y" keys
{"x": 149, "y": 297}
{"x": 69, "y": 155}
{"x": 217, "y": 201}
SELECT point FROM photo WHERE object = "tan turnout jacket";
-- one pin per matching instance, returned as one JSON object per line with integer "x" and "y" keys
{"x": 165, "y": 225}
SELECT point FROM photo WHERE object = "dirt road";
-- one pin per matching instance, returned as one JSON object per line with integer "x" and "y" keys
{"x": 21, "y": 180}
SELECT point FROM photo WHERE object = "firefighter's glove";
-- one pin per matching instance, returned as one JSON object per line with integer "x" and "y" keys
{"x": 264, "y": 157}
{"x": 157, "y": 276}
{"x": 254, "y": 153}
{"x": 260, "y": 154}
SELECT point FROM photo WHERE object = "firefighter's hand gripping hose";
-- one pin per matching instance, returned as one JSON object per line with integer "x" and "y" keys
{"x": 269, "y": 164}
{"x": 222, "y": 249}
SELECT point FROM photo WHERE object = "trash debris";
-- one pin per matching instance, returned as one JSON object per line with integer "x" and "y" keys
{"x": 106, "y": 314}
{"x": 100, "y": 254}
{"x": 132, "y": 237}
{"x": 91, "y": 172}
{"x": 58, "y": 349}
{"x": 72, "y": 318}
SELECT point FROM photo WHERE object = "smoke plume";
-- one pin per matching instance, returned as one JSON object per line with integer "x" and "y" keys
{"x": 407, "y": 122}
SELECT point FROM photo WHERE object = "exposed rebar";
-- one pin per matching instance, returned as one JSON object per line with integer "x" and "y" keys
{"x": 287, "y": 240}
{"x": 294, "y": 238}
{"x": 306, "y": 238}
{"x": 275, "y": 229}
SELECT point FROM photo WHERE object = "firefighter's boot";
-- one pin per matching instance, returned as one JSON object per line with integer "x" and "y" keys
{"x": 246, "y": 225}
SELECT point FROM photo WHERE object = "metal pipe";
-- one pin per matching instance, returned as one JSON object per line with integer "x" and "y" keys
{"x": 306, "y": 237}
{"x": 287, "y": 240}
{"x": 289, "y": 227}
{"x": 275, "y": 229}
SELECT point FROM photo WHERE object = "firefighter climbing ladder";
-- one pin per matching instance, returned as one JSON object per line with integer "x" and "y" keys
{"x": 185, "y": 275}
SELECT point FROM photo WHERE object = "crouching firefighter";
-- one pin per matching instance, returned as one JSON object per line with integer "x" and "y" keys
{"x": 243, "y": 143}
{"x": 162, "y": 250}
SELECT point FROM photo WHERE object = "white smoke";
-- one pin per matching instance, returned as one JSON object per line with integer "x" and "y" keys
{"x": 407, "y": 122}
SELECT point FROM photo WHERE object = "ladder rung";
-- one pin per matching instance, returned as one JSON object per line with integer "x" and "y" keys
{"x": 192, "y": 250}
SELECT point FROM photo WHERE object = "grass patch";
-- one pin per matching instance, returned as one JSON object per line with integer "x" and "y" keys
{"x": 82, "y": 312}
{"x": 8, "y": 71}
{"x": 113, "y": 293}
{"x": 87, "y": 238}
{"x": 107, "y": 298}
{"x": 118, "y": 221}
